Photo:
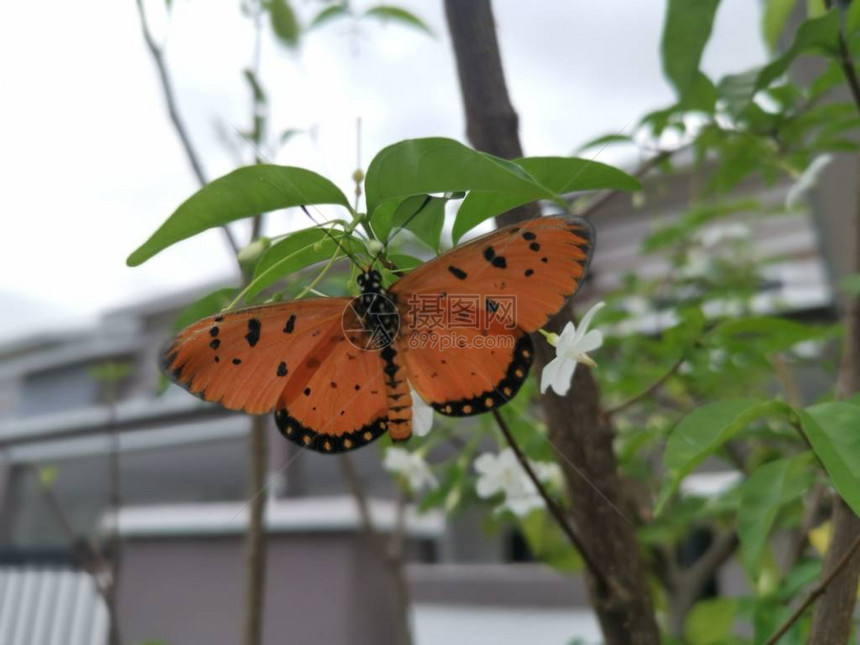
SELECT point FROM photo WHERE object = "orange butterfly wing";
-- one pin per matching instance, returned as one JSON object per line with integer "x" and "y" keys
{"x": 293, "y": 358}
{"x": 536, "y": 264}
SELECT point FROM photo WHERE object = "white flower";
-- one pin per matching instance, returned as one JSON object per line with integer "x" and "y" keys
{"x": 422, "y": 415}
{"x": 572, "y": 347}
{"x": 410, "y": 465}
{"x": 807, "y": 180}
{"x": 503, "y": 473}
{"x": 697, "y": 264}
{"x": 715, "y": 235}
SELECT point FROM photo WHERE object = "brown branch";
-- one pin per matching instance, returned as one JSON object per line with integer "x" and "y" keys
{"x": 89, "y": 556}
{"x": 687, "y": 584}
{"x": 255, "y": 538}
{"x": 172, "y": 109}
{"x": 832, "y": 619}
{"x": 819, "y": 589}
{"x": 391, "y": 555}
{"x": 554, "y": 508}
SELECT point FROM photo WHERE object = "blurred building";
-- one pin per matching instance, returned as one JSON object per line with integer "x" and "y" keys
{"x": 184, "y": 486}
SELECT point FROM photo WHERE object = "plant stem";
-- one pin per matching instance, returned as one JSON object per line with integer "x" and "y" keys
{"x": 819, "y": 589}
{"x": 255, "y": 539}
{"x": 648, "y": 391}
{"x": 173, "y": 110}
{"x": 390, "y": 555}
{"x": 551, "y": 504}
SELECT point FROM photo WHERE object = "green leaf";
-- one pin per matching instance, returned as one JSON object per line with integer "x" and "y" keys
{"x": 328, "y": 14}
{"x": 48, "y": 475}
{"x": 770, "y": 334}
{"x": 284, "y": 22}
{"x": 703, "y": 432}
{"x": 111, "y": 371}
{"x": 387, "y": 13}
{"x": 605, "y": 140}
{"x": 701, "y": 96}
{"x": 438, "y": 165}
{"x": 710, "y": 622}
{"x": 256, "y": 89}
{"x": 815, "y": 8}
{"x": 424, "y": 216}
{"x": 559, "y": 174}
{"x": 208, "y": 305}
{"x": 833, "y": 429}
{"x": 405, "y": 262}
{"x": 242, "y": 193}
{"x": 814, "y": 34}
{"x": 685, "y": 33}
{"x": 776, "y": 14}
{"x": 771, "y": 486}
{"x": 548, "y": 544}
{"x": 852, "y": 18}
{"x": 294, "y": 252}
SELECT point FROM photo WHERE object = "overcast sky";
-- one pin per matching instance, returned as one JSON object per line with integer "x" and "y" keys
{"x": 91, "y": 165}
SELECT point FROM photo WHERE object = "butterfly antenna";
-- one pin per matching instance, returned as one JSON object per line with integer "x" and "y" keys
{"x": 332, "y": 237}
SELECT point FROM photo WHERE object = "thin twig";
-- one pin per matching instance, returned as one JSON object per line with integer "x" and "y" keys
{"x": 551, "y": 504}
{"x": 846, "y": 63}
{"x": 649, "y": 390}
{"x": 819, "y": 589}
{"x": 641, "y": 171}
{"x": 172, "y": 109}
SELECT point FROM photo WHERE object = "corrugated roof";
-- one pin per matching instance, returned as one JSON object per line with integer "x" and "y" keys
{"x": 50, "y": 606}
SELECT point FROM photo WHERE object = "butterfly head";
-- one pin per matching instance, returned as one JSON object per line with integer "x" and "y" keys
{"x": 369, "y": 281}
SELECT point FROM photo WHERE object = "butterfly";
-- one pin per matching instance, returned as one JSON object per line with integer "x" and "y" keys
{"x": 337, "y": 371}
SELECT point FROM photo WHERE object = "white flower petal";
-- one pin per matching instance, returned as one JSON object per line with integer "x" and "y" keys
{"x": 522, "y": 506}
{"x": 560, "y": 377}
{"x": 486, "y": 463}
{"x": 397, "y": 460}
{"x": 585, "y": 323}
{"x": 487, "y": 486}
{"x": 422, "y": 415}
{"x": 549, "y": 373}
{"x": 591, "y": 341}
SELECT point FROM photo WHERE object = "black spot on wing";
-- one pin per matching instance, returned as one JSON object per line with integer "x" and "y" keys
{"x": 458, "y": 273}
{"x": 282, "y": 369}
{"x": 253, "y": 335}
{"x": 528, "y": 235}
{"x": 497, "y": 261}
{"x": 291, "y": 324}
{"x": 534, "y": 246}
{"x": 215, "y": 343}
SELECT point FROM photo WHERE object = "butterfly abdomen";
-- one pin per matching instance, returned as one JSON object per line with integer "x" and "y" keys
{"x": 397, "y": 394}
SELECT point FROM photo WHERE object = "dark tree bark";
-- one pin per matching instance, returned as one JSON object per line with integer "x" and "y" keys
{"x": 832, "y": 619}
{"x": 580, "y": 432}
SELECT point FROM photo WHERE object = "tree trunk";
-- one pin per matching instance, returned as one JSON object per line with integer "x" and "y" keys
{"x": 255, "y": 539}
{"x": 579, "y": 431}
{"x": 831, "y": 621}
